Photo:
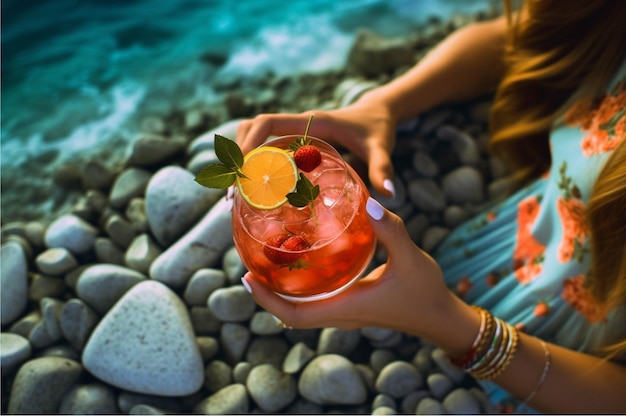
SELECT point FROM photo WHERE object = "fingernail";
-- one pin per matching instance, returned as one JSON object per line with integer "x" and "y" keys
{"x": 246, "y": 285}
{"x": 374, "y": 209}
{"x": 388, "y": 185}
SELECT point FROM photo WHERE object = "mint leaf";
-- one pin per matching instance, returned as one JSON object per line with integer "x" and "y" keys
{"x": 228, "y": 152}
{"x": 305, "y": 193}
{"x": 216, "y": 176}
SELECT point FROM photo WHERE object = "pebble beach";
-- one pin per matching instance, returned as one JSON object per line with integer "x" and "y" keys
{"x": 129, "y": 300}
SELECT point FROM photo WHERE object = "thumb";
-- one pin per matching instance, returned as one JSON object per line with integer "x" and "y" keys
{"x": 389, "y": 229}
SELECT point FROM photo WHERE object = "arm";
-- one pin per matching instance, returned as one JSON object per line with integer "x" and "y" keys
{"x": 465, "y": 65}
{"x": 409, "y": 294}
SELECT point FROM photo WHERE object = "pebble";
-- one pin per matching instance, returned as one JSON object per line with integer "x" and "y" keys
{"x": 338, "y": 341}
{"x": 120, "y": 230}
{"x": 97, "y": 176}
{"x": 56, "y": 261}
{"x": 174, "y": 202}
{"x": 232, "y": 399}
{"x": 89, "y": 399}
{"x": 42, "y": 286}
{"x": 14, "y": 281}
{"x": 264, "y": 323}
{"x": 267, "y": 349}
{"x": 398, "y": 378}
{"x": 241, "y": 372}
{"x": 384, "y": 400}
{"x": 40, "y": 384}
{"x": 209, "y": 347}
{"x": 72, "y": 233}
{"x": 381, "y": 358}
{"x": 14, "y": 351}
{"x": 204, "y": 321}
{"x": 141, "y": 252}
{"x": 77, "y": 321}
{"x": 384, "y": 411}
{"x": 107, "y": 252}
{"x": 232, "y": 303}
{"x": 207, "y": 139}
{"x": 332, "y": 379}
{"x": 127, "y": 348}
{"x": 130, "y": 183}
{"x": 424, "y": 165}
{"x": 233, "y": 266}
{"x": 202, "y": 284}
{"x": 217, "y": 375}
{"x": 270, "y": 388}
{"x": 439, "y": 385}
{"x": 426, "y": 195}
{"x": 463, "y": 185}
{"x": 102, "y": 285}
{"x": 298, "y": 356}
{"x": 149, "y": 150}
{"x": 430, "y": 406}
{"x": 201, "y": 247}
{"x": 412, "y": 399}
{"x": 234, "y": 339}
{"x": 461, "y": 401}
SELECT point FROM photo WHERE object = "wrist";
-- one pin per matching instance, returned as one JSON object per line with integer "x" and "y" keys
{"x": 455, "y": 327}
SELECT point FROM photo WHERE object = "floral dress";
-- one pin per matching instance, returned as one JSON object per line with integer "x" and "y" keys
{"x": 526, "y": 258}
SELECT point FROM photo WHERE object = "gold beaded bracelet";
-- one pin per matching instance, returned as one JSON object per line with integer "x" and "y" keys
{"x": 492, "y": 350}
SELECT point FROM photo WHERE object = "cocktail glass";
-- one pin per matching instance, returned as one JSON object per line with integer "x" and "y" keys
{"x": 339, "y": 239}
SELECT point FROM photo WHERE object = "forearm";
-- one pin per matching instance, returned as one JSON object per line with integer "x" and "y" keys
{"x": 574, "y": 382}
{"x": 465, "y": 65}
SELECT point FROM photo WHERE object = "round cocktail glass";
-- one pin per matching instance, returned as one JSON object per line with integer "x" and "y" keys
{"x": 339, "y": 239}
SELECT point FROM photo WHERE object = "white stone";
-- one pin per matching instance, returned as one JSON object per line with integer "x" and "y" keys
{"x": 203, "y": 246}
{"x": 146, "y": 344}
{"x": 14, "y": 281}
{"x": 174, "y": 202}
{"x": 71, "y": 232}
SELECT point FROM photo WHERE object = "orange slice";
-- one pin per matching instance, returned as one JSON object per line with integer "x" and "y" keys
{"x": 271, "y": 174}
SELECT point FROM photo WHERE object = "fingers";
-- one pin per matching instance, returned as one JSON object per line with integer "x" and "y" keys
{"x": 380, "y": 171}
{"x": 253, "y": 132}
{"x": 390, "y": 231}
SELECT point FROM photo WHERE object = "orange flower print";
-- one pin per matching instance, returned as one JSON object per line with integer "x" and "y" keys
{"x": 575, "y": 294}
{"x": 575, "y": 229}
{"x": 602, "y": 122}
{"x": 463, "y": 286}
{"x": 528, "y": 252}
{"x": 571, "y": 211}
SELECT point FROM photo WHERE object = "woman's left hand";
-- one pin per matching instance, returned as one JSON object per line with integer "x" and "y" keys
{"x": 403, "y": 294}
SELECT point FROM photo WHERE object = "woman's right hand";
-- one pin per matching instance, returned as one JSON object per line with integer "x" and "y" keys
{"x": 365, "y": 128}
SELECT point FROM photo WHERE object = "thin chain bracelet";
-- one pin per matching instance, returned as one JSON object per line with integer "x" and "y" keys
{"x": 544, "y": 373}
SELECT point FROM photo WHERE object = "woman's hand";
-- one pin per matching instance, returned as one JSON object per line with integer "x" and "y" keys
{"x": 406, "y": 294}
{"x": 366, "y": 129}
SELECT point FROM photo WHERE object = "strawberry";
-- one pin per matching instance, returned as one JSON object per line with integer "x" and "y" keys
{"x": 307, "y": 158}
{"x": 283, "y": 249}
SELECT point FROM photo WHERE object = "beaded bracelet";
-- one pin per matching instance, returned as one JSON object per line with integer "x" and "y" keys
{"x": 485, "y": 327}
{"x": 493, "y": 349}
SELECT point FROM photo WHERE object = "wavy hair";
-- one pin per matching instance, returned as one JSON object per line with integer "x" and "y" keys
{"x": 559, "y": 52}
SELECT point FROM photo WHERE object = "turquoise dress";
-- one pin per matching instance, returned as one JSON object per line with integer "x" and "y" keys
{"x": 526, "y": 258}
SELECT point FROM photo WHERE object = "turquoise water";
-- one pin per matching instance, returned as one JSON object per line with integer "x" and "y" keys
{"x": 75, "y": 73}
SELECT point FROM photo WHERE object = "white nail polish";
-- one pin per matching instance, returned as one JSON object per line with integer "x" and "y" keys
{"x": 388, "y": 185}
{"x": 374, "y": 209}
{"x": 246, "y": 285}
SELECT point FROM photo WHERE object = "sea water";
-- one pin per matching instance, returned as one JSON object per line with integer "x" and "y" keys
{"x": 77, "y": 75}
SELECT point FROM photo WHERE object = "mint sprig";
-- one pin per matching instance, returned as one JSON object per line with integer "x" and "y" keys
{"x": 305, "y": 193}
{"x": 222, "y": 175}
